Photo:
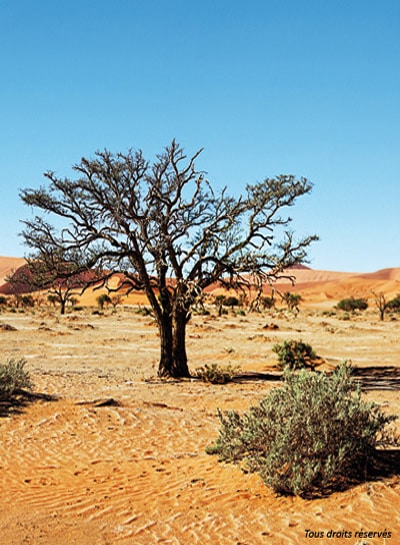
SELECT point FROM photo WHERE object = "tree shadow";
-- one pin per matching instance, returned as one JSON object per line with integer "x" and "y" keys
{"x": 249, "y": 376}
{"x": 18, "y": 402}
{"x": 377, "y": 378}
{"x": 381, "y": 467}
{"x": 369, "y": 378}
{"x": 385, "y": 464}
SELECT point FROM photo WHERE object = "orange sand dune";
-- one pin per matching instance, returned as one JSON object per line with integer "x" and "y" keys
{"x": 318, "y": 286}
{"x": 315, "y": 286}
{"x": 383, "y": 274}
{"x": 8, "y": 265}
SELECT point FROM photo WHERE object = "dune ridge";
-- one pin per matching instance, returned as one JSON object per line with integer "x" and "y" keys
{"x": 315, "y": 286}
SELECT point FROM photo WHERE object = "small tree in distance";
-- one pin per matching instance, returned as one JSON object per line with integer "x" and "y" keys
{"x": 103, "y": 299}
{"x": 394, "y": 304}
{"x": 55, "y": 272}
{"x": 293, "y": 301}
{"x": 381, "y": 304}
{"x": 165, "y": 228}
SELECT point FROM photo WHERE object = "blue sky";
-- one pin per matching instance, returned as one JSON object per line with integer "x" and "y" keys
{"x": 267, "y": 87}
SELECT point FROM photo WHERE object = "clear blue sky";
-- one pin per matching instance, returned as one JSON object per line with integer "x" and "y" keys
{"x": 306, "y": 87}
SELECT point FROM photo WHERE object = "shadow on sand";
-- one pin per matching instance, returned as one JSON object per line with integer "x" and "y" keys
{"x": 369, "y": 378}
{"x": 377, "y": 378}
{"x": 18, "y": 402}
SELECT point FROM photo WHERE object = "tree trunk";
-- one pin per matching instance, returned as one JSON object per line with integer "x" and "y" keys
{"x": 173, "y": 359}
{"x": 166, "y": 360}
{"x": 179, "y": 344}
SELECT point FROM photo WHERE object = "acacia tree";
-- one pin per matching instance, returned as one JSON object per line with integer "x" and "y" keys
{"x": 52, "y": 271}
{"x": 381, "y": 303}
{"x": 292, "y": 300}
{"x": 163, "y": 226}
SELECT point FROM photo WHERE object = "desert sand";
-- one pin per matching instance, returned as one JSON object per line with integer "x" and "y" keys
{"x": 114, "y": 455}
{"x": 8, "y": 265}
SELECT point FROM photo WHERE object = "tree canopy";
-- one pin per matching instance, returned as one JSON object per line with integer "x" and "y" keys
{"x": 167, "y": 230}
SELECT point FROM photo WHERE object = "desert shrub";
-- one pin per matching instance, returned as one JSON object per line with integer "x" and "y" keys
{"x": 294, "y": 354}
{"x": 52, "y": 299}
{"x": 3, "y": 300}
{"x": 231, "y": 301}
{"x": 267, "y": 302}
{"x": 27, "y": 301}
{"x": 292, "y": 300}
{"x": 13, "y": 378}
{"x": 351, "y": 304}
{"x": 144, "y": 311}
{"x": 102, "y": 300}
{"x": 394, "y": 304}
{"x": 215, "y": 373}
{"x": 312, "y": 435}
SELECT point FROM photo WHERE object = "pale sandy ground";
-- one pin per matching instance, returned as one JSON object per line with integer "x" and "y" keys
{"x": 73, "y": 472}
{"x": 136, "y": 472}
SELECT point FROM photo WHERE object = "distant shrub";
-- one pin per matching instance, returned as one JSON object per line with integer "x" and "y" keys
{"x": 231, "y": 302}
{"x": 27, "y": 301}
{"x": 216, "y": 374}
{"x": 267, "y": 302}
{"x": 351, "y": 304}
{"x": 102, "y": 300}
{"x": 310, "y": 436}
{"x": 292, "y": 300}
{"x": 294, "y": 354}
{"x": 394, "y": 304}
{"x": 52, "y": 299}
{"x": 13, "y": 378}
{"x": 3, "y": 300}
{"x": 144, "y": 311}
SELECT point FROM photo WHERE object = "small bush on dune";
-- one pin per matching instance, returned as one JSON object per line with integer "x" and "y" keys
{"x": 13, "y": 378}
{"x": 310, "y": 436}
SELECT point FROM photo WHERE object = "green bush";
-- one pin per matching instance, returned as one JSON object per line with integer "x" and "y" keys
{"x": 13, "y": 378}
{"x": 292, "y": 300}
{"x": 351, "y": 304}
{"x": 27, "y": 301}
{"x": 267, "y": 302}
{"x": 310, "y": 436}
{"x": 231, "y": 301}
{"x": 102, "y": 300}
{"x": 294, "y": 354}
{"x": 216, "y": 374}
{"x": 394, "y": 304}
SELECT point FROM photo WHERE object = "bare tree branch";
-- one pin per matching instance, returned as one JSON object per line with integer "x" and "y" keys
{"x": 164, "y": 227}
